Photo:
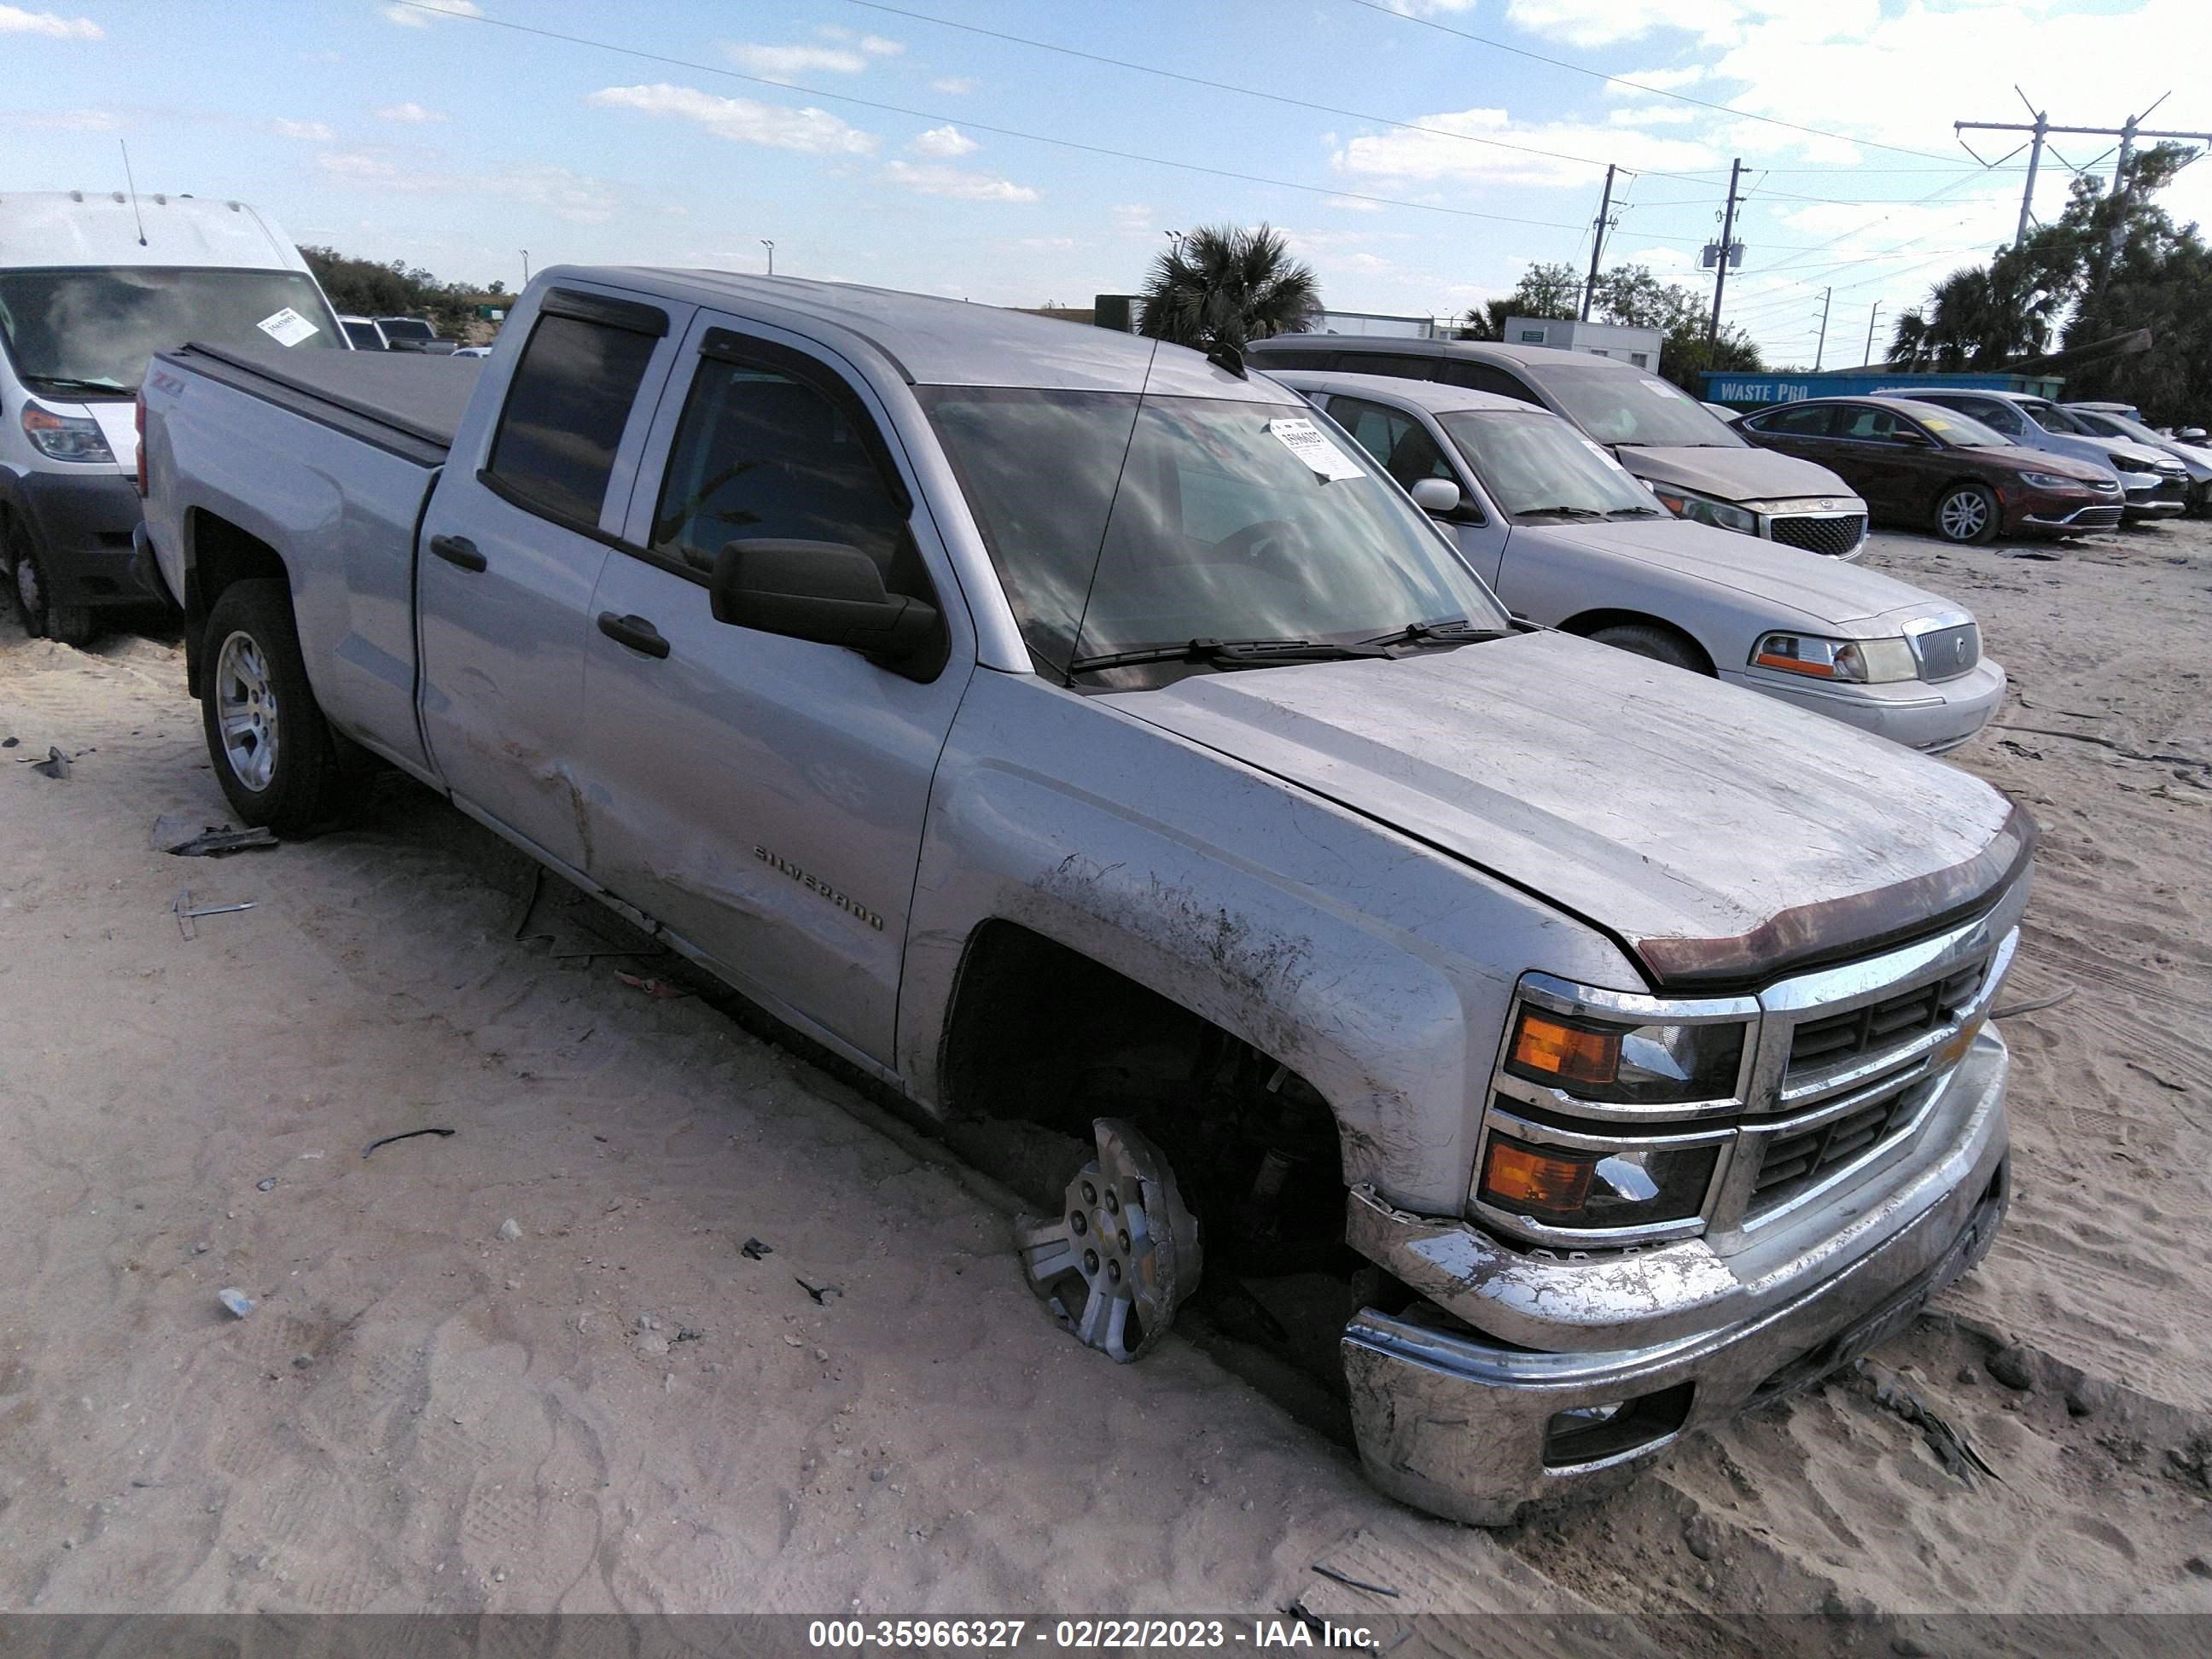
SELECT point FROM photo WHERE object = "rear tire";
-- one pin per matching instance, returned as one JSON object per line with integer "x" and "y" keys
{"x": 69, "y": 624}
{"x": 1659, "y": 644}
{"x": 1967, "y": 515}
{"x": 273, "y": 753}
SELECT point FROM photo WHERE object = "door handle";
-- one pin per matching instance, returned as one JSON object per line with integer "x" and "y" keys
{"x": 458, "y": 550}
{"x": 636, "y": 633}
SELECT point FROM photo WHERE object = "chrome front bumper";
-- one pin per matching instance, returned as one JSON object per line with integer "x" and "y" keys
{"x": 1471, "y": 1428}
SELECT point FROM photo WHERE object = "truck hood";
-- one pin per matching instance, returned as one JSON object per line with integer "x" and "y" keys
{"x": 1739, "y": 475}
{"x": 1783, "y": 579}
{"x": 1720, "y": 838}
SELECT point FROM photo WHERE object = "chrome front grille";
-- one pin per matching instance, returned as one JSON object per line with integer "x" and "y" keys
{"x": 1824, "y": 1040}
{"x": 1947, "y": 652}
{"x": 1833, "y": 535}
{"x": 1797, "y": 1161}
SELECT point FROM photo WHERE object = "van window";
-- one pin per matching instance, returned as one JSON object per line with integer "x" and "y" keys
{"x": 1487, "y": 377}
{"x": 565, "y": 412}
{"x": 87, "y": 332}
{"x": 1398, "y": 365}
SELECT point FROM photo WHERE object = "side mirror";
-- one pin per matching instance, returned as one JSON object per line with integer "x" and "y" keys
{"x": 831, "y": 592}
{"x": 1437, "y": 496}
{"x": 2190, "y": 435}
{"x": 1912, "y": 440}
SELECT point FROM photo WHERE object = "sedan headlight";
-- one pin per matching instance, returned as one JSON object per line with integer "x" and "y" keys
{"x": 1634, "y": 1065}
{"x": 1704, "y": 509}
{"x": 1857, "y": 662}
{"x": 2051, "y": 481}
{"x": 65, "y": 437}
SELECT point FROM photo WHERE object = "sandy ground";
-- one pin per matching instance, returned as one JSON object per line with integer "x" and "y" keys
{"x": 621, "y": 1410}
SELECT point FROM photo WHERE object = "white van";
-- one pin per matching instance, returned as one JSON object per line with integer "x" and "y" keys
{"x": 91, "y": 286}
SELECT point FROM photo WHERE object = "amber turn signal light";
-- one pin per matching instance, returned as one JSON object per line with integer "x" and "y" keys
{"x": 1552, "y": 1048}
{"x": 1518, "y": 1177}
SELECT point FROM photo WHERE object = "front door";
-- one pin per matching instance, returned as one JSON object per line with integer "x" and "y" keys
{"x": 508, "y": 563}
{"x": 1409, "y": 452}
{"x": 762, "y": 796}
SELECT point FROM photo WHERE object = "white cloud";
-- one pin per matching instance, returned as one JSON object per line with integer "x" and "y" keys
{"x": 14, "y": 20}
{"x": 1049, "y": 244}
{"x": 573, "y": 196}
{"x": 411, "y": 112}
{"x": 787, "y": 62}
{"x": 423, "y": 15}
{"x": 321, "y": 131}
{"x": 1604, "y": 22}
{"x": 958, "y": 85}
{"x": 957, "y": 183}
{"x": 1441, "y": 150}
{"x": 875, "y": 47}
{"x": 1654, "y": 115}
{"x": 1351, "y": 205}
{"x": 810, "y": 132}
{"x": 1134, "y": 219}
{"x": 1656, "y": 80}
{"x": 62, "y": 120}
{"x": 944, "y": 141}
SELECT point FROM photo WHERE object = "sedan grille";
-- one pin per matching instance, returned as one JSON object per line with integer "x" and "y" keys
{"x": 1889, "y": 1024}
{"x": 1947, "y": 652}
{"x": 1796, "y": 1162}
{"x": 1834, "y": 536}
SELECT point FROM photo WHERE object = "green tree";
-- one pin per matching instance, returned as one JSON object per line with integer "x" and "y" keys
{"x": 1227, "y": 286}
{"x": 368, "y": 287}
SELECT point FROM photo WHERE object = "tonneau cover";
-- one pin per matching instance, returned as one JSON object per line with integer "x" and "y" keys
{"x": 412, "y": 393}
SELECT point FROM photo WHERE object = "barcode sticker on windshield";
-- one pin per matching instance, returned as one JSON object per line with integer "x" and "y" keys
{"x": 1311, "y": 444}
{"x": 287, "y": 327}
{"x": 1661, "y": 389}
{"x": 1604, "y": 455}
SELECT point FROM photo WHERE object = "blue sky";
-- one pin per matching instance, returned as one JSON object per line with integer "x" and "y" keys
{"x": 453, "y": 144}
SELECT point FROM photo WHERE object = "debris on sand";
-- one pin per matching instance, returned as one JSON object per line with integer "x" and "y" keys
{"x": 237, "y": 1302}
{"x": 404, "y": 1134}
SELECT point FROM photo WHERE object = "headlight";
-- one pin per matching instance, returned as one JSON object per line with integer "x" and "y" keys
{"x": 1626, "y": 1186}
{"x": 1704, "y": 509}
{"x": 1633, "y": 1065}
{"x": 1858, "y": 662}
{"x": 65, "y": 437}
{"x": 2050, "y": 481}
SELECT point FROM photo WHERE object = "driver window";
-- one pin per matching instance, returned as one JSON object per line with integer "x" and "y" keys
{"x": 2004, "y": 417}
{"x": 1399, "y": 442}
{"x": 761, "y": 455}
{"x": 1871, "y": 426}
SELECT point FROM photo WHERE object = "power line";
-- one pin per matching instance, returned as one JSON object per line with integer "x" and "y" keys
{"x": 1638, "y": 86}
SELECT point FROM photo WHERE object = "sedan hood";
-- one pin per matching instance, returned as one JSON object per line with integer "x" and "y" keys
{"x": 1720, "y": 838}
{"x": 1739, "y": 475}
{"x": 1827, "y": 592}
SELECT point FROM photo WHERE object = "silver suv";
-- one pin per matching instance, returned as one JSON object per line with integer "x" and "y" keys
{"x": 1702, "y": 468}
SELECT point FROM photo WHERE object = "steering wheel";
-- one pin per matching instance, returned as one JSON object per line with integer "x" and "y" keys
{"x": 1268, "y": 540}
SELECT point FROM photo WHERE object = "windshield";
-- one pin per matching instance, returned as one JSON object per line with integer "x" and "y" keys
{"x": 1534, "y": 463}
{"x": 2108, "y": 425}
{"x": 90, "y": 331}
{"x": 1960, "y": 431}
{"x": 1616, "y": 406}
{"x": 1117, "y": 524}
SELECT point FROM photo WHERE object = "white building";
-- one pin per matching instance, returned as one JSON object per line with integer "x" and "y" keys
{"x": 1639, "y": 346}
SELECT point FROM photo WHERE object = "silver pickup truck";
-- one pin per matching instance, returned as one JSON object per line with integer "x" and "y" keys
{"x": 1077, "y": 733}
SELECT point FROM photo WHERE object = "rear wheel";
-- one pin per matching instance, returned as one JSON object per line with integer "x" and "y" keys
{"x": 71, "y": 625}
{"x": 1967, "y": 514}
{"x": 1660, "y": 644}
{"x": 273, "y": 753}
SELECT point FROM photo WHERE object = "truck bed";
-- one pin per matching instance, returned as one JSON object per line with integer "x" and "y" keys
{"x": 404, "y": 402}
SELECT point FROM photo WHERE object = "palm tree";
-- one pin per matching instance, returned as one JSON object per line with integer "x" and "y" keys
{"x": 1225, "y": 286}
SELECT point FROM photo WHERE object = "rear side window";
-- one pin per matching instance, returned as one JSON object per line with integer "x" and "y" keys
{"x": 1398, "y": 365}
{"x": 761, "y": 455}
{"x": 1488, "y": 377}
{"x": 566, "y": 409}
{"x": 1817, "y": 422}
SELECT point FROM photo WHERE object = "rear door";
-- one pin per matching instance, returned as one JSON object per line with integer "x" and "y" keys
{"x": 1879, "y": 453}
{"x": 510, "y": 555}
{"x": 761, "y": 796}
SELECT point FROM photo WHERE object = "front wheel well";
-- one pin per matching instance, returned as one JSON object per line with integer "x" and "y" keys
{"x": 1043, "y": 1040}
{"x": 1589, "y": 622}
{"x": 218, "y": 554}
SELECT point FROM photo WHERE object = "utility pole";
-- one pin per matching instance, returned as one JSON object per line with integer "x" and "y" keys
{"x": 770, "y": 247}
{"x": 1727, "y": 249}
{"x": 2127, "y": 133}
{"x": 1821, "y": 350}
{"x": 1871, "y": 315}
{"x": 1597, "y": 240}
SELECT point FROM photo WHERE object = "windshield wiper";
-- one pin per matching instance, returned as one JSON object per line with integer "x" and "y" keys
{"x": 1636, "y": 513}
{"x": 1558, "y": 513}
{"x": 1457, "y": 631}
{"x": 70, "y": 383}
{"x": 1228, "y": 653}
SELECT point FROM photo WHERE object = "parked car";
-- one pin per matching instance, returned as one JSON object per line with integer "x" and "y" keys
{"x": 91, "y": 286}
{"x": 414, "y": 334}
{"x": 365, "y": 333}
{"x": 472, "y": 351}
{"x": 1567, "y": 538}
{"x": 1700, "y": 467}
{"x": 1922, "y": 464}
{"x": 1633, "y": 1030}
{"x": 2118, "y": 421}
{"x": 2154, "y": 486}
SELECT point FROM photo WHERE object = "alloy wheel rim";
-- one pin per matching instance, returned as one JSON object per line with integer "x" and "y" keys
{"x": 246, "y": 711}
{"x": 1963, "y": 515}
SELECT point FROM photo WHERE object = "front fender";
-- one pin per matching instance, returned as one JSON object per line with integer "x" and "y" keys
{"x": 1377, "y": 968}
